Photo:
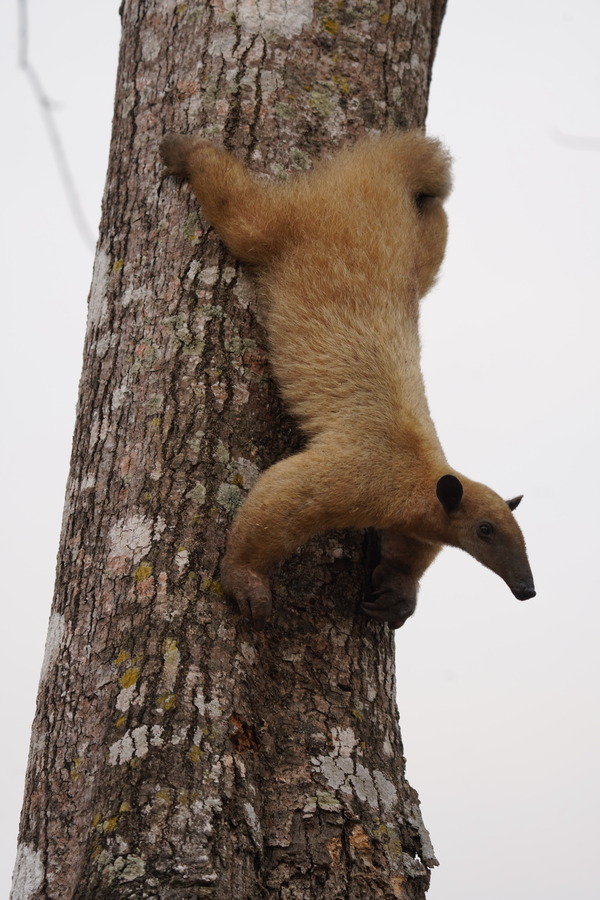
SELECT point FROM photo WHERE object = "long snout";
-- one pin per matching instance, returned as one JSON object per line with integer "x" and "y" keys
{"x": 524, "y": 590}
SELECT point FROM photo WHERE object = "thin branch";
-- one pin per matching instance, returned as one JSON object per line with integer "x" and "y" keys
{"x": 51, "y": 127}
{"x": 574, "y": 141}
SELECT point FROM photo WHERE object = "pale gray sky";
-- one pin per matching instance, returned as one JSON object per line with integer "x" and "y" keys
{"x": 498, "y": 699}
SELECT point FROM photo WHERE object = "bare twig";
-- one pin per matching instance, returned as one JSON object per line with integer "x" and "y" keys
{"x": 51, "y": 127}
{"x": 574, "y": 141}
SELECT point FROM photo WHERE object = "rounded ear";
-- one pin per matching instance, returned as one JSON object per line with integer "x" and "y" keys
{"x": 512, "y": 504}
{"x": 449, "y": 492}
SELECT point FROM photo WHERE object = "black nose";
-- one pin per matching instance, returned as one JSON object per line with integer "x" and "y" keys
{"x": 524, "y": 592}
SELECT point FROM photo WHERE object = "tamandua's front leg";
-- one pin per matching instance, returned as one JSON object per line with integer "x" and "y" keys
{"x": 395, "y": 581}
{"x": 295, "y": 499}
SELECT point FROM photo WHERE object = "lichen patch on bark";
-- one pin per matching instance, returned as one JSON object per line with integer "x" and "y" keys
{"x": 28, "y": 874}
{"x": 56, "y": 633}
{"x": 267, "y": 17}
{"x": 97, "y": 304}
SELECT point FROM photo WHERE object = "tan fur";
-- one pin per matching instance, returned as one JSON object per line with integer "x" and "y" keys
{"x": 344, "y": 255}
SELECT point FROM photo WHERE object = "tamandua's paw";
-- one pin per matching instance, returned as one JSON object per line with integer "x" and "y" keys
{"x": 250, "y": 591}
{"x": 175, "y": 151}
{"x": 393, "y": 598}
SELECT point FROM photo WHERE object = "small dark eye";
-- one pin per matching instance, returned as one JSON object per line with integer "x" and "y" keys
{"x": 422, "y": 201}
{"x": 485, "y": 531}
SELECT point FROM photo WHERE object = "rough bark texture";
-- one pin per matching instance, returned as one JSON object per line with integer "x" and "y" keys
{"x": 175, "y": 753}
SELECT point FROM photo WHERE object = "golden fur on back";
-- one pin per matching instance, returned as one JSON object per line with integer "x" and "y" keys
{"x": 344, "y": 255}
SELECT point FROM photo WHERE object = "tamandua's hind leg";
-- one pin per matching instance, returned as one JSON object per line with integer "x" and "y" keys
{"x": 395, "y": 581}
{"x": 248, "y": 214}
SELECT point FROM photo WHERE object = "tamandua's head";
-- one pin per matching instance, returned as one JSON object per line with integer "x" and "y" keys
{"x": 480, "y": 522}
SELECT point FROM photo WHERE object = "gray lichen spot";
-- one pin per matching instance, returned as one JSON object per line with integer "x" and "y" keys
{"x": 248, "y": 652}
{"x": 172, "y": 659}
{"x": 248, "y": 470}
{"x": 182, "y": 560}
{"x": 130, "y": 538}
{"x": 121, "y": 751}
{"x": 253, "y": 823}
{"x": 328, "y": 802}
{"x": 214, "y": 709}
{"x": 414, "y": 817}
{"x": 56, "y": 631}
{"x": 397, "y": 94}
{"x": 284, "y": 111}
{"x": 229, "y": 496}
{"x": 134, "y": 867}
{"x": 150, "y": 46}
{"x": 197, "y": 493}
{"x": 192, "y": 271}
{"x": 133, "y": 743}
{"x": 278, "y": 171}
{"x": 271, "y": 16}
{"x": 140, "y": 740}
{"x": 413, "y": 867}
{"x": 123, "y": 868}
{"x": 222, "y": 453}
{"x": 135, "y": 295}
{"x": 387, "y": 789}
{"x": 128, "y": 99}
{"x": 97, "y": 303}
{"x": 211, "y": 311}
{"x": 300, "y": 159}
{"x": 28, "y": 874}
{"x": 234, "y": 345}
{"x": 322, "y": 103}
{"x": 364, "y": 786}
{"x": 157, "y": 740}
{"x": 119, "y": 395}
{"x": 310, "y": 807}
{"x": 244, "y": 289}
{"x": 334, "y": 771}
{"x": 241, "y": 395}
{"x": 192, "y": 342}
{"x": 154, "y": 404}
{"x": 126, "y": 697}
{"x": 191, "y": 227}
{"x": 209, "y": 275}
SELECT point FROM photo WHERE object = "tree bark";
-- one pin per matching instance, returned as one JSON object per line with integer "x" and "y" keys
{"x": 175, "y": 752}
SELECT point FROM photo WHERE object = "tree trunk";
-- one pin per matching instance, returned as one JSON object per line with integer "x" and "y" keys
{"x": 175, "y": 752}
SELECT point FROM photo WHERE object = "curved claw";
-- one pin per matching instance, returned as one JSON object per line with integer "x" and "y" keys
{"x": 394, "y": 596}
{"x": 256, "y": 605}
{"x": 393, "y": 615}
{"x": 175, "y": 150}
{"x": 384, "y": 598}
{"x": 250, "y": 591}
